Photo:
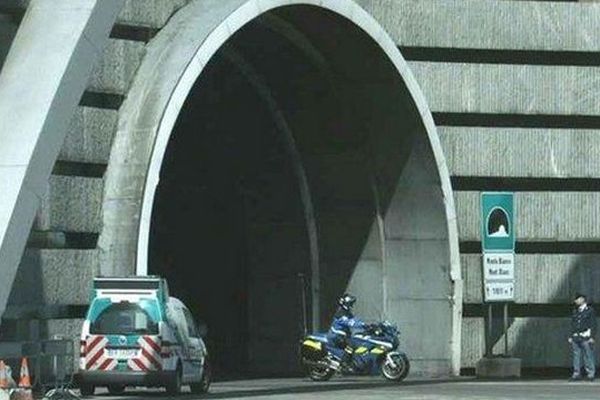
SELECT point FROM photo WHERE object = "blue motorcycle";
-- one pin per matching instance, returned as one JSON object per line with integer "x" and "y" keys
{"x": 369, "y": 352}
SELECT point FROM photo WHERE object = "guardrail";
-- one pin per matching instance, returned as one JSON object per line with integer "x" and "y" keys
{"x": 51, "y": 362}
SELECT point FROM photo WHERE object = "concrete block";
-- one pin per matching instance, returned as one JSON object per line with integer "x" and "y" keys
{"x": 538, "y": 342}
{"x": 540, "y": 216}
{"x": 414, "y": 321}
{"x": 557, "y": 153}
{"x": 151, "y": 13}
{"x": 366, "y": 283}
{"x": 473, "y": 342}
{"x": 425, "y": 280}
{"x": 498, "y": 367}
{"x": 415, "y": 212}
{"x": 72, "y": 204}
{"x": 427, "y": 368}
{"x": 481, "y": 24}
{"x": 506, "y": 88}
{"x": 116, "y": 69}
{"x": 49, "y": 277}
{"x": 90, "y": 136}
{"x": 540, "y": 278}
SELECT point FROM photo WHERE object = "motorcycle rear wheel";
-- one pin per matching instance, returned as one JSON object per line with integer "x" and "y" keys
{"x": 398, "y": 372}
{"x": 320, "y": 374}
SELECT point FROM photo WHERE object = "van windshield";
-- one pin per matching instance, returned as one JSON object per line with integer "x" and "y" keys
{"x": 124, "y": 319}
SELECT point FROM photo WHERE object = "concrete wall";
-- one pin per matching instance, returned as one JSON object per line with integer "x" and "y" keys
{"x": 539, "y": 342}
{"x": 339, "y": 182}
{"x": 117, "y": 67}
{"x": 540, "y": 216}
{"x": 507, "y": 57}
{"x": 90, "y": 135}
{"x": 149, "y": 13}
{"x": 71, "y": 204}
{"x": 467, "y": 86}
{"x": 509, "y": 89}
{"x": 482, "y": 24}
{"x": 542, "y": 152}
{"x": 541, "y": 278}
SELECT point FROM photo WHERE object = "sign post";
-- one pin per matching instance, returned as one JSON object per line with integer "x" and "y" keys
{"x": 498, "y": 248}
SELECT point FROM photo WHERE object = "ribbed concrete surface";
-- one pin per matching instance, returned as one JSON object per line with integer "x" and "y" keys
{"x": 485, "y": 24}
{"x": 540, "y": 278}
{"x": 540, "y": 216}
{"x": 71, "y": 204}
{"x": 117, "y": 67}
{"x": 473, "y": 341}
{"x": 54, "y": 277}
{"x": 150, "y": 13}
{"x": 509, "y": 89}
{"x": 90, "y": 135}
{"x": 556, "y": 153}
{"x": 539, "y": 342}
{"x": 67, "y": 274}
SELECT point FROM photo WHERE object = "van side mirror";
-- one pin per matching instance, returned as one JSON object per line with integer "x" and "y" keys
{"x": 202, "y": 329}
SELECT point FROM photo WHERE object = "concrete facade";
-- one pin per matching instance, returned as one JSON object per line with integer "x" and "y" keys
{"x": 35, "y": 121}
{"x": 163, "y": 82}
{"x": 543, "y": 216}
{"x": 507, "y": 32}
{"x": 543, "y": 153}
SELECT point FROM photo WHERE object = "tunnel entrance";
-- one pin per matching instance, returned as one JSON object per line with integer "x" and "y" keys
{"x": 229, "y": 230}
{"x": 298, "y": 167}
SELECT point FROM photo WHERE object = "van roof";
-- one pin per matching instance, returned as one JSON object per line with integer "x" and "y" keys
{"x": 120, "y": 287}
{"x": 143, "y": 282}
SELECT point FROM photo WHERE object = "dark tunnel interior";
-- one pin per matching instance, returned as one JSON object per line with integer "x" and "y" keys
{"x": 230, "y": 229}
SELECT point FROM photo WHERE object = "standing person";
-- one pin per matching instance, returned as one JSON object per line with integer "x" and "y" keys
{"x": 583, "y": 330}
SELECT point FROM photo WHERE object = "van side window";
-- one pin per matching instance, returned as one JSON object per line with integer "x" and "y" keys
{"x": 191, "y": 325}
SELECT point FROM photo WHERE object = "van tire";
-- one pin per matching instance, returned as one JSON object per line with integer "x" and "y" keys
{"x": 116, "y": 390}
{"x": 203, "y": 385}
{"x": 174, "y": 387}
{"x": 87, "y": 390}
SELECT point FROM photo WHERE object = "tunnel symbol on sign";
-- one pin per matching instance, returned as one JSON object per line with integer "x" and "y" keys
{"x": 497, "y": 225}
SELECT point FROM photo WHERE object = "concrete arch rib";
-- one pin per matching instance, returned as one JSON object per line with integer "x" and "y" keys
{"x": 35, "y": 113}
{"x": 173, "y": 63}
{"x": 265, "y": 94}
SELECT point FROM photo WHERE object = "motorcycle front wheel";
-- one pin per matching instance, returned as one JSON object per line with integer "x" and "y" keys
{"x": 320, "y": 374}
{"x": 398, "y": 370}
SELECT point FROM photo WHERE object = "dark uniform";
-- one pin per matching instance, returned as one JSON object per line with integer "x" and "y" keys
{"x": 583, "y": 329}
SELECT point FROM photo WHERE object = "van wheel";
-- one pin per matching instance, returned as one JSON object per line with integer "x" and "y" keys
{"x": 116, "y": 390}
{"x": 87, "y": 390}
{"x": 204, "y": 384}
{"x": 174, "y": 387}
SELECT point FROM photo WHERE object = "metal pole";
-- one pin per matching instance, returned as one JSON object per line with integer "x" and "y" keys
{"x": 303, "y": 300}
{"x": 506, "y": 329}
{"x": 489, "y": 349}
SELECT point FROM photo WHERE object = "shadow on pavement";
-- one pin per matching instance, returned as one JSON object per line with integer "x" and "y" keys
{"x": 302, "y": 387}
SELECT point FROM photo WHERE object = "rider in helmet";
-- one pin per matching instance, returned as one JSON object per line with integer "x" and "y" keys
{"x": 343, "y": 325}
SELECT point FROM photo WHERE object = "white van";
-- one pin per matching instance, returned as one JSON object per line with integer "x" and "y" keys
{"x": 136, "y": 335}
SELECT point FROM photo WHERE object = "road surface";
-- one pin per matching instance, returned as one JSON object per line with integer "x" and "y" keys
{"x": 375, "y": 388}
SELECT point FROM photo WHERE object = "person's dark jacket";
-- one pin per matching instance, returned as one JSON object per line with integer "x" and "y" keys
{"x": 583, "y": 320}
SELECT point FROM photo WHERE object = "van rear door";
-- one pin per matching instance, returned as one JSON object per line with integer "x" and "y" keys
{"x": 123, "y": 336}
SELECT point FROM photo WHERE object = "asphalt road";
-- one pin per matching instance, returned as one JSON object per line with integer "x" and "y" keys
{"x": 375, "y": 388}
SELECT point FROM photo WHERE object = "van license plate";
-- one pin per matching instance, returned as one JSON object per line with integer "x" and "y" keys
{"x": 121, "y": 353}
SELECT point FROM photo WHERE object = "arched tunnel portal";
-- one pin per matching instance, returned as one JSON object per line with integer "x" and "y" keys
{"x": 286, "y": 152}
